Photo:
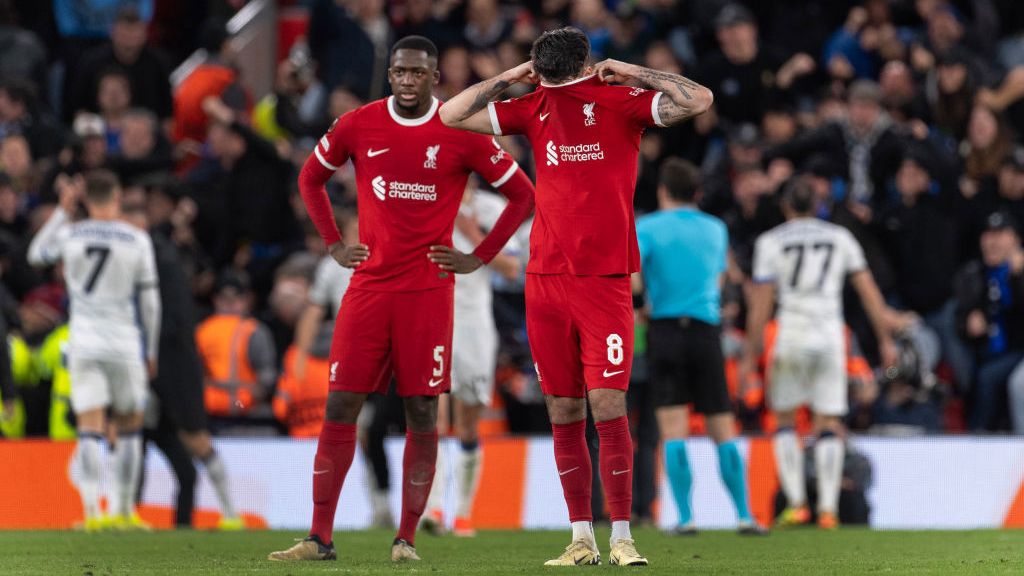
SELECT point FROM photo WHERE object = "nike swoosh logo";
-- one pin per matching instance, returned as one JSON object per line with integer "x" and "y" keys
{"x": 318, "y": 472}
{"x": 608, "y": 374}
{"x": 434, "y": 383}
{"x": 415, "y": 483}
{"x": 371, "y": 152}
{"x": 544, "y": 117}
{"x": 619, "y": 472}
{"x": 567, "y": 471}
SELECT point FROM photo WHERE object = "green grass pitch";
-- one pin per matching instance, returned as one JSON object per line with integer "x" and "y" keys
{"x": 797, "y": 552}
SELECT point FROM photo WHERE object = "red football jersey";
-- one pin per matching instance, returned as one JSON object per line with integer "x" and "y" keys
{"x": 586, "y": 137}
{"x": 411, "y": 175}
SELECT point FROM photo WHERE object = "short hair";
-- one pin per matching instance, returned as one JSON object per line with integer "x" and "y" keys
{"x": 100, "y": 186}
{"x": 420, "y": 43}
{"x": 561, "y": 54}
{"x": 799, "y": 195}
{"x": 681, "y": 178}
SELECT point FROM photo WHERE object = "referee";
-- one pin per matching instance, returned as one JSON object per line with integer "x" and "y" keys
{"x": 684, "y": 252}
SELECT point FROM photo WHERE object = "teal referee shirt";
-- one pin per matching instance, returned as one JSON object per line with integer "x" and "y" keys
{"x": 683, "y": 252}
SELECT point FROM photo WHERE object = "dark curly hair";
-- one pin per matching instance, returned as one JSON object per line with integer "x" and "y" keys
{"x": 560, "y": 55}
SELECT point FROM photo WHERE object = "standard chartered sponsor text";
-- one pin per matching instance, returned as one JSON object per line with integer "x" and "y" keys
{"x": 580, "y": 152}
{"x": 412, "y": 191}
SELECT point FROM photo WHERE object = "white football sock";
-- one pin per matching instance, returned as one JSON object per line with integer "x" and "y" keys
{"x": 467, "y": 470}
{"x": 790, "y": 461}
{"x": 219, "y": 478}
{"x": 128, "y": 464}
{"x": 88, "y": 455}
{"x": 620, "y": 531}
{"x": 828, "y": 463}
{"x": 584, "y": 530}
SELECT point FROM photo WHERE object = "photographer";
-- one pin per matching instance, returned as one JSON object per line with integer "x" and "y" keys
{"x": 909, "y": 402}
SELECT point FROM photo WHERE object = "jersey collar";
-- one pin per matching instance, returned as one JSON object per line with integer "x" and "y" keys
{"x": 412, "y": 121}
{"x": 569, "y": 83}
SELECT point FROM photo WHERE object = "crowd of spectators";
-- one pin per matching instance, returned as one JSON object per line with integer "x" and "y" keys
{"x": 904, "y": 112}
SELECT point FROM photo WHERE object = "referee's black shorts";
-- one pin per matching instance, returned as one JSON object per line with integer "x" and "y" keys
{"x": 686, "y": 364}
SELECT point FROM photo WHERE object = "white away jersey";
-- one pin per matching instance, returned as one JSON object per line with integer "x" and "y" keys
{"x": 110, "y": 272}
{"x": 473, "y": 291}
{"x": 808, "y": 260}
{"x": 329, "y": 284}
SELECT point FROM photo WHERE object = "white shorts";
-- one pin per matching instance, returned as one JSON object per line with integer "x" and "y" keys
{"x": 474, "y": 355}
{"x": 96, "y": 383}
{"x": 815, "y": 377}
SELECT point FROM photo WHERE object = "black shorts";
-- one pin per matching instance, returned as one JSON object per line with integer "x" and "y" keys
{"x": 686, "y": 364}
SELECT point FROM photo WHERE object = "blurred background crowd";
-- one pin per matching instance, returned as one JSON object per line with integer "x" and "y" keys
{"x": 905, "y": 113}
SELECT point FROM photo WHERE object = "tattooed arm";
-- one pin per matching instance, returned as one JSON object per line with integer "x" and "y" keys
{"x": 468, "y": 109}
{"x": 683, "y": 98}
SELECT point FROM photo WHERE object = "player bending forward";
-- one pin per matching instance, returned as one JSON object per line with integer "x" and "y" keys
{"x": 803, "y": 264}
{"x": 475, "y": 350}
{"x": 108, "y": 266}
{"x": 579, "y": 316}
{"x": 396, "y": 316}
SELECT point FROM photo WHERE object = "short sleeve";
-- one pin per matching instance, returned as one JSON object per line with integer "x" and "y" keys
{"x": 765, "y": 260}
{"x": 510, "y": 116}
{"x": 643, "y": 238}
{"x": 723, "y": 246}
{"x": 320, "y": 291}
{"x": 853, "y": 260}
{"x": 334, "y": 147}
{"x": 488, "y": 159}
{"x": 640, "y": 105}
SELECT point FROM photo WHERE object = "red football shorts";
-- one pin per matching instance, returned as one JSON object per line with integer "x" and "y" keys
{"x": 408, "y": 334}
{"x": 581, "y": 332}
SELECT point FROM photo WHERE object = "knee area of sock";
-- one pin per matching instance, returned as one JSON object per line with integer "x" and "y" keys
{"x": 335, "y": 433}
{"x": 728, "y": 451}
{"x": 827, "y": 434}
{"x": 570, "y": 432}
{"x": 613, "y": 427}
{"x": 421, "y": 436}
{"x": 469, "y": 445}
{"x": 675, "y": 445}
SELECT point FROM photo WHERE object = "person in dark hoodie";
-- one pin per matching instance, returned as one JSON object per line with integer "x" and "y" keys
{"x": 990, "y": 315}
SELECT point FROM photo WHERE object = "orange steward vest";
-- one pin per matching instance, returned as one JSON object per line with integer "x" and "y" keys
{"x": 223, "y": 344}
{"x": 300, "y": 404}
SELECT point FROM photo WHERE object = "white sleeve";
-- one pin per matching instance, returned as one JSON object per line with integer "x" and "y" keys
{"x": 47, "y": 246}
{"x": 148, "y": 285}
{"x": 853, "y": 254}
{"x": 765, "y": 261}
{"x": 488, "y": 208}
